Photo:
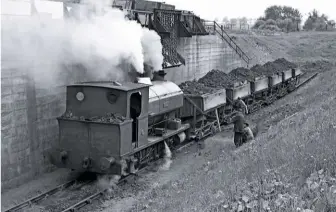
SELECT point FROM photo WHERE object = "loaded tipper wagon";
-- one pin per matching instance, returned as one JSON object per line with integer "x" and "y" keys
{"x": 282, "y": 75}
{"x": 258, "y": 87}
{"x": 200, "y": 108}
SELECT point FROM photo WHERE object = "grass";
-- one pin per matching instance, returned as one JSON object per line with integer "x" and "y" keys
{"x": 292, "y": 149}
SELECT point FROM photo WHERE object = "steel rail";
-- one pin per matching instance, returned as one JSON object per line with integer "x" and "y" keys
{"x": 306, "y": 81}
{"x": 88, "y": 200}
{"x": 39, "y": 197}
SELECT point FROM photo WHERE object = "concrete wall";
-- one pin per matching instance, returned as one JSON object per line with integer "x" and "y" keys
{"x": 28, "y": 115}
{"x": 28, "y": 126}
{"x": 202, "y": 54}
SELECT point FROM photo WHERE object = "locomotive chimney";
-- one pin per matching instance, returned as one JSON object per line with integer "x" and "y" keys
{"x": 145, "y": 77}
{"x": 148, "y": 71}
{"x": 159, "y": 75}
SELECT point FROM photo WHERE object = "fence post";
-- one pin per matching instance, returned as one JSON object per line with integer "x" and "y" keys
{"x": 214, "y": 26}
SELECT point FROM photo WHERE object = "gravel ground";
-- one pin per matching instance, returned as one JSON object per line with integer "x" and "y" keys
{"x": 64, "y": 199}
{"x": 36, "y": 187}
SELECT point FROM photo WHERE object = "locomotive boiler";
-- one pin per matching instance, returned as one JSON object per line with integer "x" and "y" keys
{"x": 114, "y": 128}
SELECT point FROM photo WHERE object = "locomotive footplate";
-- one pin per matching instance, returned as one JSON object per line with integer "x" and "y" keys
{"x": 168, "y": 133}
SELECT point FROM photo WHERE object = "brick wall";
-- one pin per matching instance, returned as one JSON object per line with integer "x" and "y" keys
{"x": 202, "y": 54}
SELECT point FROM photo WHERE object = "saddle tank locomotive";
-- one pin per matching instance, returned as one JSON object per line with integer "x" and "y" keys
{"x": 114, "y": 128}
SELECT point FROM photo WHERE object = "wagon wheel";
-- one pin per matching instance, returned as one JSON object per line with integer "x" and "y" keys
{"x": 213, "y": 129}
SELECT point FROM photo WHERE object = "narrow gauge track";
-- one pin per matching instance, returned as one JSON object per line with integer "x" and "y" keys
{"x": 88, "y": 200}
{"x": 47, "y": 194}
{"x": 97, "y": 195}
{"x": 305, "y": 81}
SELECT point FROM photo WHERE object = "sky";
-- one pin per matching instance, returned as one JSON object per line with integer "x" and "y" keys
{"x": 211, "y": 9}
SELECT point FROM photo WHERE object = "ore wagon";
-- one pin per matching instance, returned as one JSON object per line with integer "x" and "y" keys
{"x": 201, "y": 112}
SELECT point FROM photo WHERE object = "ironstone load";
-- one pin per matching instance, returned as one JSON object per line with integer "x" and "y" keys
{"x": 277, "y": 66}
{"x": 197, "y": 88}
{"x": 260, "y": 69}
{"x": 244, "y": 74}
{"x": 217, "y": 79}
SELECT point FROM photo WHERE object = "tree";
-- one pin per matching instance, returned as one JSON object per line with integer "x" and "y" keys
{"x": 273, "y": 12}
{"x": 308, "y": 25}
{"x": 278, "y": 13}
{"x": 233, "y": 21}
{"x": 289, "y": 12}
{"x": 315, "y": 21}
{"x": 258, "y": 23}
{"x": 332, "y": 23}
{"x": 243, "y": 21}
{"x": 225, "y": 20}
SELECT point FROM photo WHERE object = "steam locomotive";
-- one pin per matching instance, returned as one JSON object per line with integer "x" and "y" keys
{"x": 114, "y": 128}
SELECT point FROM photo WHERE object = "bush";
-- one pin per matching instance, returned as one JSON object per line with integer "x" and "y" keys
{"x": 271, "y": 22}
{"x": 258, "y": 24}
{"x": 272, "y": 27}
{"x": 281, "y": 23}
{"x": 320, "y": 25}
{"x": 308, "y": 25}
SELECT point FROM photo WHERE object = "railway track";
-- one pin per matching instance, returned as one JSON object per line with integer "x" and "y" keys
{"x": 38, "y": 198}
{"x": 88, "y": 200}
{"x": 97, "y": 195}
{"x": 306, "y": 81}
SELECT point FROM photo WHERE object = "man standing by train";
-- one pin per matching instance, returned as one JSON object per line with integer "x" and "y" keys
{"x": 241, "y": 104}
{"x": 238, "y": 121}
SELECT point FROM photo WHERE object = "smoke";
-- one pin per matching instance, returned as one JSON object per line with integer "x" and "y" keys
{"x": 152, "y": 54}
{"x": 167, "y": 161}
{"x": 108, "y": 183}
{"x": 95, "y": 45}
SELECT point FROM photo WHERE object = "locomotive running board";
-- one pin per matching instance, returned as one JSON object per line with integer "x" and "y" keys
{"x": 156, "y": 139}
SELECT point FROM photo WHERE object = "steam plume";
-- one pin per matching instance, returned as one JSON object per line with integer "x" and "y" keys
{"x": 98, "y": 42}
{"x": 167, "y": 158}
